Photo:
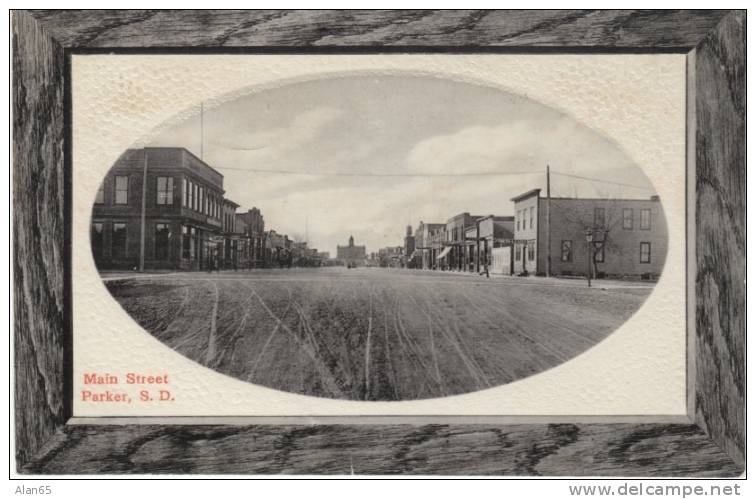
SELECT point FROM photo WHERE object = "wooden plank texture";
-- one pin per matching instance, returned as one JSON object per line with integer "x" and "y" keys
{"x": 394, "y": 28}
{"x": 721, "y": 234}
{"x": 39, "y": 241}
{"x": 712, "y": 445}
{"x": 555, "y": 449}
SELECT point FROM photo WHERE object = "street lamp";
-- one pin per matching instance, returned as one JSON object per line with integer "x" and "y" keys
{"x": 589, "y": 239}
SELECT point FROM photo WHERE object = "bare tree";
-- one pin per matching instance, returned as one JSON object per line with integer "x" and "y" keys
{"x": 605, "y": 217}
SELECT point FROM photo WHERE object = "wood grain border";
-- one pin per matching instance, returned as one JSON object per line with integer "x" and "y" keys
{"x": 711, "y": 443}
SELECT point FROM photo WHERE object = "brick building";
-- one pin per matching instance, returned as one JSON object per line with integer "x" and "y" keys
{"x": 351, "y": 254}
{"x": 183, "y": 211}
{"x": 629, "y": 236}
{"x": 252, "y": 225}
{"x": 233, "y": 242}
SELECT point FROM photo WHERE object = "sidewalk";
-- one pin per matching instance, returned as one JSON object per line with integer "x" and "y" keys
{"x": 549, "y": 281}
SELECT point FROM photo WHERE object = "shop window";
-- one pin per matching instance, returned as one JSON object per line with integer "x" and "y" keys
{"x": 162, "y": 241}
{"x": 97, "y": 240}
{"x": 119, "y": 240}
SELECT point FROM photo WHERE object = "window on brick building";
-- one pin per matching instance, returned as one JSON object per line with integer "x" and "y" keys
{"x": 645, "y": 252}
{"x": 100, "y": 196}
{"x": 162, "y": 241}
{"x": 184, "y": 192}
{"x": 599, "y": 217}
{"x": 165, "y": 190}
{"x": 566, "y": 251}
{"x": 121, "y": 189}
{"x": 627, "y": 218}
{"x": 532, "y": 209}
{"x": 531, "y": 250}
{"x": 645, "y": 219}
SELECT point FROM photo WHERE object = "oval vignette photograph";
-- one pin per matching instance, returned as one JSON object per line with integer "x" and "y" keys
{"x": 378, "y": 237}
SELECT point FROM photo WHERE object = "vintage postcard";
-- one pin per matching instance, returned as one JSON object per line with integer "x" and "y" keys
{"x": 406, "y": 235}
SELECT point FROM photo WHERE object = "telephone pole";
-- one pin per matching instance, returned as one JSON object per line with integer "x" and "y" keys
{"x": 548, "y": 222}
{"x": 202, "y": 130}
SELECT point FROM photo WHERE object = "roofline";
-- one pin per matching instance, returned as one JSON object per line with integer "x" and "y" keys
{"x": 499, "y": 218}
{"x": 526, "y": 195}
{"x": 179, "y": 148}
{"x": 648, "y": 199}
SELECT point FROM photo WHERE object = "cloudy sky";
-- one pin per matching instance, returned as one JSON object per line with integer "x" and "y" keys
{"x": 369, "y": 155}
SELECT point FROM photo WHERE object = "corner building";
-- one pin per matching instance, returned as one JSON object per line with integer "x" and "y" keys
{"x": 183, "y": 211}
{"x": 631, "y": 236}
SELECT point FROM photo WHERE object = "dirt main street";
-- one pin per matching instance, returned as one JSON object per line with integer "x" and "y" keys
{"x": 374, "y": 334}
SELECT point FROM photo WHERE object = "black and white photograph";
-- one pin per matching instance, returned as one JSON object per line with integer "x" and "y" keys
{"x": 379, "y": 238}
{"x": 344, "y": 243}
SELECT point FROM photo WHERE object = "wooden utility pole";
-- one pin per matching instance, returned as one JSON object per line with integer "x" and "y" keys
{"x": 144, "y": 214}
{"x": 202, "y": 130}
{"x": 548, "y": 222}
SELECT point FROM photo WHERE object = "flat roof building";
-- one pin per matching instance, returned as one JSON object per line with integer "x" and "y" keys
{"x": 183, "y": 211}
{"x": 629, "y": 236}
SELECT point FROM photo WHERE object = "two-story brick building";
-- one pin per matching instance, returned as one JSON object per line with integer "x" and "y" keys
{"x": 629, "y": 236}
{"x": 251, "y": 225}
{"x": 182, "y": 211}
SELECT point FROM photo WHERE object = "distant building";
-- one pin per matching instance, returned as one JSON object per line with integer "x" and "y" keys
{"x": 434, "y": 240}
{"x": 391, "y": 256}
{"x": 456, "y": 240}
{"x": 411, "y": 258}
{"x": 232, "y": 241}
{"x": 252, "y": 225}
{"x": 629, "y": 236}
{"x": 351, "y": 254}
{"x": 183, "y": 211}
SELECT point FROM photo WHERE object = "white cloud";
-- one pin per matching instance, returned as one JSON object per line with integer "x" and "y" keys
{"x": 515, "y": 146}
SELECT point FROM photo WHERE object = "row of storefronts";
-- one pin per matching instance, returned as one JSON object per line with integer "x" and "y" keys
{"x": 549, "y": 236}
{"x": 184, "y": 223}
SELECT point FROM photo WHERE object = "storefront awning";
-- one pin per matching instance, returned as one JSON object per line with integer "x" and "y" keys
{"x": 444, "y": 253}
